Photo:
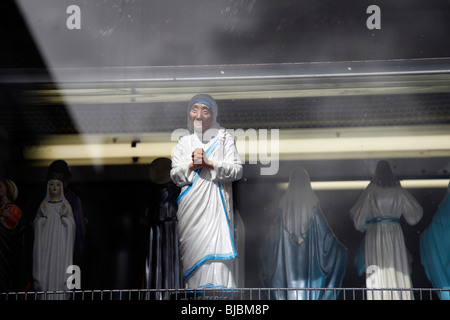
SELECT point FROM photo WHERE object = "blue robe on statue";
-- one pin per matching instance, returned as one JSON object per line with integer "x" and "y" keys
{"x": 300, "y": 250}
{"x": 435, "y": 248}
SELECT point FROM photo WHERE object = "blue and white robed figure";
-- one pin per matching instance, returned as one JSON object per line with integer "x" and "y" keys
{"x": 301, "y": 251}
{"x": 435, "y": 248}
{"x": 205, "y": 162}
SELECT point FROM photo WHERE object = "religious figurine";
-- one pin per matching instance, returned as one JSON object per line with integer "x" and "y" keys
{"x": 205, "y": 162}
{"x": 162, "y": 262}
{"x": 12, "y": 228}
{"x": 377, "y": 212}
{"x": 59, "y": 169}
{"x": 435, "y": 248}
{"x": 54, "y": 230}
{"x": 301, "y": 251}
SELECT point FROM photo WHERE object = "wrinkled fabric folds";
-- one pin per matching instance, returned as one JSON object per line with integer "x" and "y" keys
{"x": 205, "y": 207}
{"x": 301, "y": 250}
{"x": 320, "y": 261}
{"x": 53, "y": 245}
{"x": 384, "y": 245}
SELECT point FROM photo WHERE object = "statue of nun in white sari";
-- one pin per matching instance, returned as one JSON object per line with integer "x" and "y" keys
{"x": 205, "y": 162}
{"x": 54, "y": 238}
{"x": 383, "y": 252}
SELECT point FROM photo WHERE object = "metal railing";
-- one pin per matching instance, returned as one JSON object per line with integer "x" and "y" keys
{"x": 235, "y": 294}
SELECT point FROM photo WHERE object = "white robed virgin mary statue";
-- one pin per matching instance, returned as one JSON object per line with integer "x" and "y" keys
{"x": 54, "y": 238}
{"x": 205, "y": 162}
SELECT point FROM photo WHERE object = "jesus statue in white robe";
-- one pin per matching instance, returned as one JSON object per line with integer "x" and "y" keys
{"x": 384, "y": 255}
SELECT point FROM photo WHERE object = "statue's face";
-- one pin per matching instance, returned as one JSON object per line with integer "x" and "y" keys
{"x": 201, "y": 117}
{"x": 54, "y": 188}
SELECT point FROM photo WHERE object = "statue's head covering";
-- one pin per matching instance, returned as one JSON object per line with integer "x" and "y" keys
{"x": 384, "y": 177}
{"x": 297, "y": 204}
{"x": 64, "y": 204}
{"x": 61, "y": 193}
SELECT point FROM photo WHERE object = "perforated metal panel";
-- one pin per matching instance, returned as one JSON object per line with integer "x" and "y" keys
{"x": 355, "y": 111}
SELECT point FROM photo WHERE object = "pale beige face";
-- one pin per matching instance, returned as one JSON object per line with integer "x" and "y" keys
{"x": 201, "y": 117}
{"x": 54, "y": 188}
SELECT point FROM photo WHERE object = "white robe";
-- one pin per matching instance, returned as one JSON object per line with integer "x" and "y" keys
{"x": 205, "y": 210}
{"x": 377, "y": 212}
{"x": 54, "y": 229}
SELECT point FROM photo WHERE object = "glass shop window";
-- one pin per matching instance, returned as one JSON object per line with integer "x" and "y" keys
{"x": 105, "y": 87}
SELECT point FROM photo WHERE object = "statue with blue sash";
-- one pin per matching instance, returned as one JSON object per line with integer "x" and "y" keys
{"x": 383, "y": 254}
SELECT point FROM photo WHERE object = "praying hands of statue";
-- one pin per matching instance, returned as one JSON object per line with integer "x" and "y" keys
{"x": 199, "y": 160}
{"x": 63, "y": 211}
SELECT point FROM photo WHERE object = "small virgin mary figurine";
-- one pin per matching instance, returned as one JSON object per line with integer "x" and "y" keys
{"x": 54, "y": 237}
